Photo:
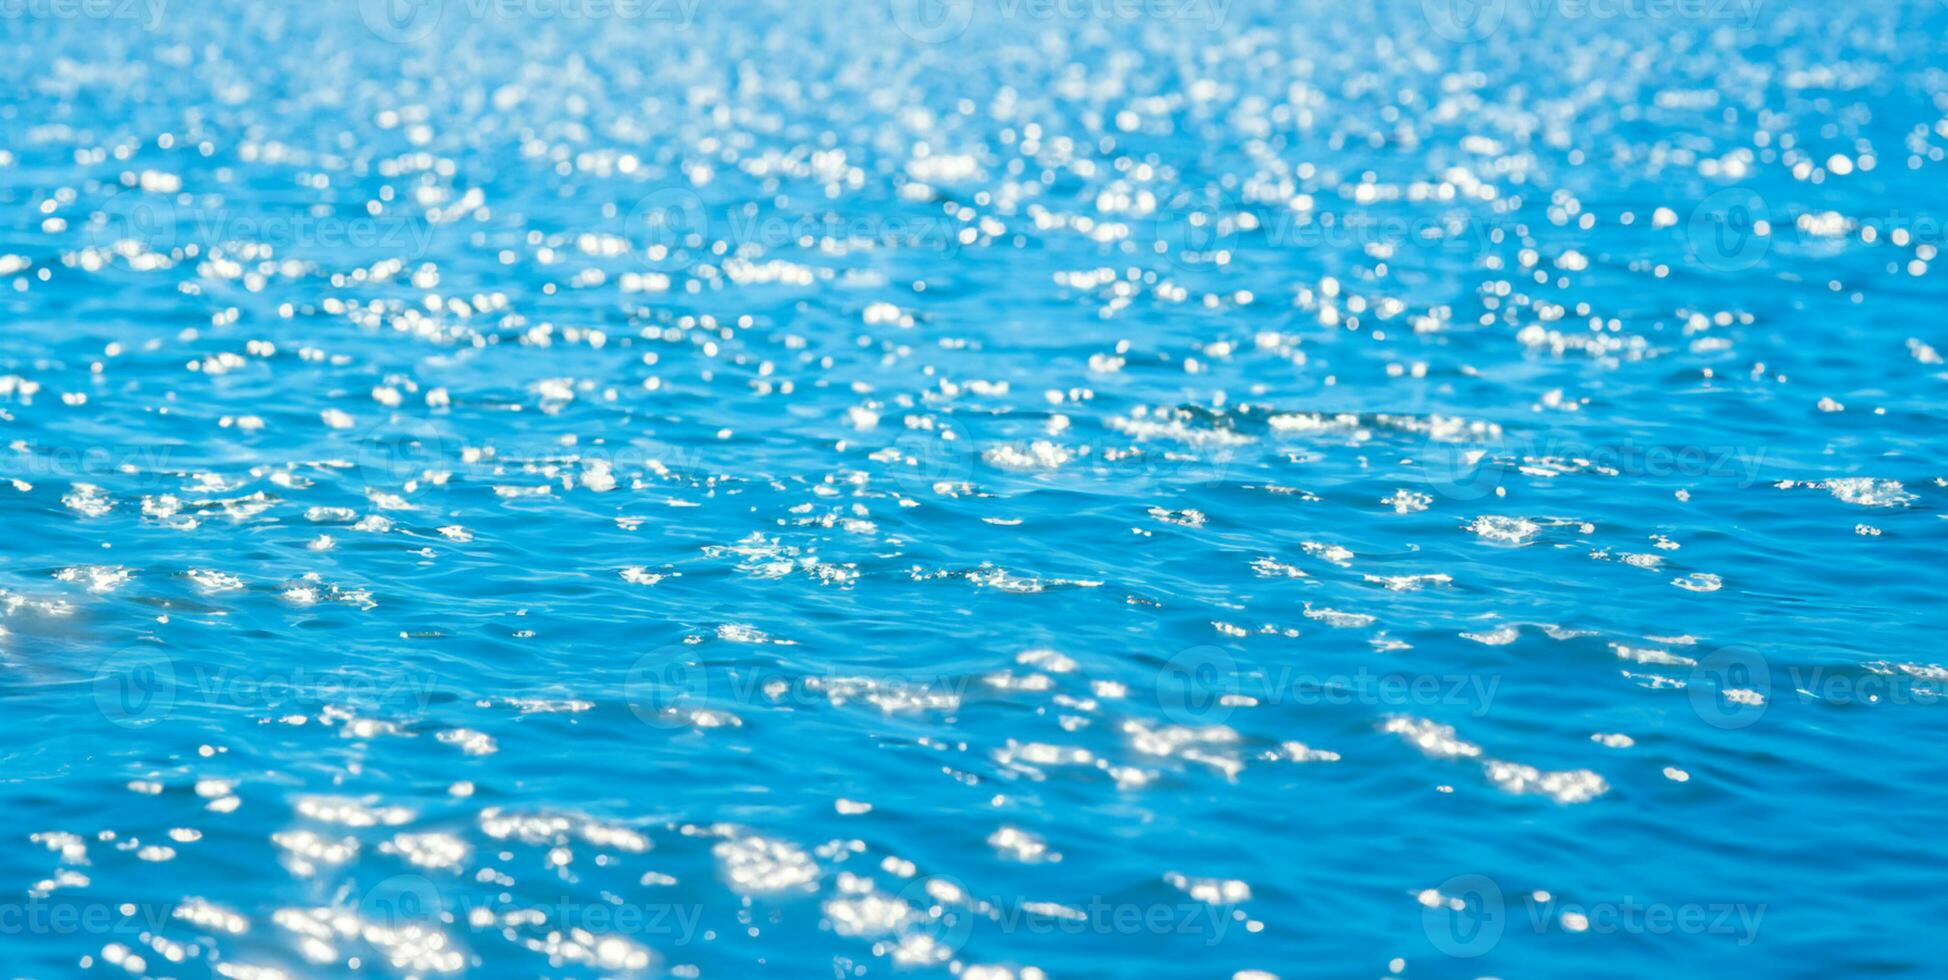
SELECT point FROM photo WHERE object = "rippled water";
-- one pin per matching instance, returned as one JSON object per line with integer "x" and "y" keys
{"x": 1012, "y": 489}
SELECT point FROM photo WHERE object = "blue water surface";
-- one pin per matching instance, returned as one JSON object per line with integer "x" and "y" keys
{"x": 981, "y": 488}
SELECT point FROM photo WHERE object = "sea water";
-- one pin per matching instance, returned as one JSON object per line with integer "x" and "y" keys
{"x": 986, "y": 489}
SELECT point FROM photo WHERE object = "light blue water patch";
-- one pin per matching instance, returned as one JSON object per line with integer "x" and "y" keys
{"x": 985, "y": 489}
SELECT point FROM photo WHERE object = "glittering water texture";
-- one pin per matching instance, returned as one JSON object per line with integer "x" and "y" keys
{"x": 987, "y": 489}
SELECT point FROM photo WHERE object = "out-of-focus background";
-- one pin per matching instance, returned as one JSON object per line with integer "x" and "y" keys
{"x": 982, "y": 488}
